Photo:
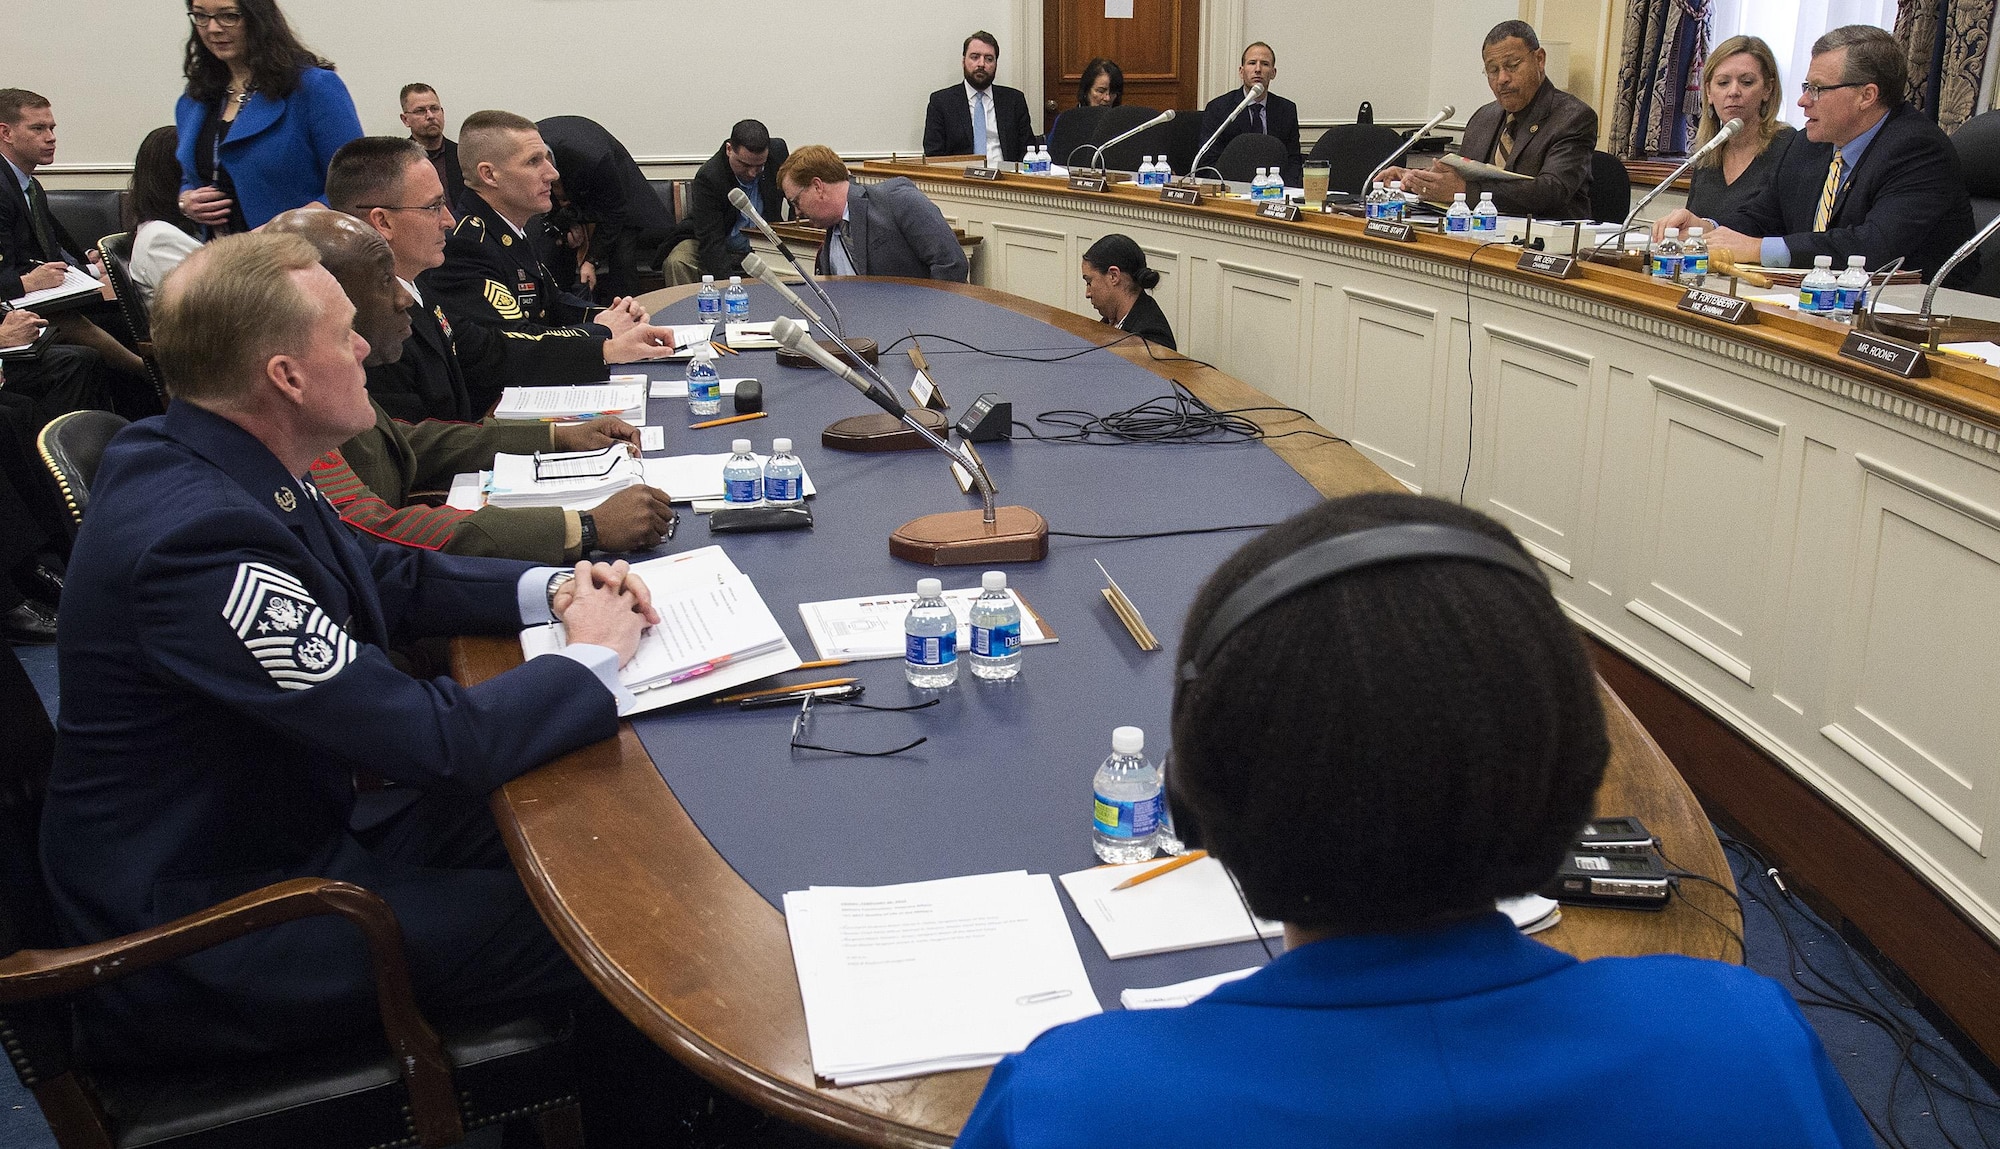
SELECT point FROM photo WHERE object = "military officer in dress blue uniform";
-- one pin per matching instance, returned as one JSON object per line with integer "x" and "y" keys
{"x": 224, "y": 656}
{"x": 491, "y": 274}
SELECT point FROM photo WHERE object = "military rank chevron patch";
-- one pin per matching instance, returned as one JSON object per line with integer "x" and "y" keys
{"x": 284, "y": 629}
{"x": 503, "y": 300}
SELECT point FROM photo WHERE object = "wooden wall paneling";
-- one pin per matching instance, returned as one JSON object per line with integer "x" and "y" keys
{"x": 1823, "y": 530}
{"x": 1158, "y": 49}
{"x": 1390, "y": 366}
{"x": 1533, "y": 433}
{"x": 1260, "y": 314}
{"x": 1031, "y": 261}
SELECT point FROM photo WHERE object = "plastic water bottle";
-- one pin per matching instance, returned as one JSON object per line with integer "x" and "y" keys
{"x": 1694, "y": 259}
{"x": 1168, "y": 841}
{"x": 1818, "y": 289}
{"x": 704, "y": 385}
{"x": 1396, "y": 208}
{"x": 930, "y": 638}
{"x": 1850, "y": 291}
{"x": 736, "y": 301}
{"x": 742, "y": 476}
{"x": 1458, "y": 221}
{"x": 1486, "y": 217}
{"x": 1038, "y": 161}
{"x": 708, "y": 301}
{"x": 996, "y": 629}
{"x": 1126, "y": 811}
{"x": 784, "y": 476}
{"x": 1665, "y": 261}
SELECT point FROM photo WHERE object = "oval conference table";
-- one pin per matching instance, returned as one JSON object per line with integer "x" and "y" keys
{"x": 657, "y": 857}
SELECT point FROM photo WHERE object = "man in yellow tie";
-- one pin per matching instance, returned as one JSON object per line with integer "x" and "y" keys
{"x": 1870, "y": 175}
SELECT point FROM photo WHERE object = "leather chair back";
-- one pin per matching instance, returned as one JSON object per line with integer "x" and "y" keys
{"x": 1610, "y": 187}
{"x": 1074, "y": 128}
{"x": 35, "y": 1034}
{"x": 1353, "y": 150}
{"x": 87, "y": 212}
{"x": 1977, "y": 142}
{"x": 1248, "y": 152}
{"x": 71, "y": 446}
{"x": 117, "y": 252}
{"x": 1126, "y": 156}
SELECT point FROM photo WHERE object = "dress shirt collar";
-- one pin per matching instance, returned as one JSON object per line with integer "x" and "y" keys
{"x": 972, "y": 93}
{"x": 412, "y": 289}
{"x": 20, "y": 177}
{"x": 1852, "y": 151}
{"x": 1484, "y": 954}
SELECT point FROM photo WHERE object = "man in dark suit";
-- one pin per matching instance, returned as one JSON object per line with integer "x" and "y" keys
{"x": 1271, "y": 115}
{"x": 979, "y": 117}
{"x": 888, "y": 228}
{"x": 423, "y": 114}
{"x": 620, "y": 211}
{"x": 449, "y": 371}
{"x": 1532, "y": 128}
{"x": 714, "y": 237}
{"x": 1871, "y": 176}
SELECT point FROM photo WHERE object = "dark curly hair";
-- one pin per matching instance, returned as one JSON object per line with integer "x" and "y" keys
{"x": 276, "y": 56}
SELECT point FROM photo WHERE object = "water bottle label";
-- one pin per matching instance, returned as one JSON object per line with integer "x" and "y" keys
{"x": 1847, "y": 299}
{"x": 929, "y": 650}
{"x": 1458, "y": 224}
{"x": 709, "y": 306}
{"x": 704, "y": 389}
{"x": 1695, "y": 263}
{"x": 1816, "y": 298}
{"x": 997, "y": 641}
{"x": 742, "y": 490}
{"x": 1664, "y": 266}
{"x": 1117, "y": 819}
{"x": 783, "y": 490}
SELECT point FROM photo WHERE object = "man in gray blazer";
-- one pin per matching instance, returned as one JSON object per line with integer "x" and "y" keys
{"x": 882, "y": 229}
{"x": 1531, "y": 128}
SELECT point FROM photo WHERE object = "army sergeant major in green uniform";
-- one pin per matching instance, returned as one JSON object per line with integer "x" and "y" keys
{"x": 491, "y": 274}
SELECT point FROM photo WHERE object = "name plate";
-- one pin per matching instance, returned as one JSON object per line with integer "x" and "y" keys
{"x": 1713, "y": 305}
{"x": 1548, "y": 263}
{"x": 1187, "y": 197}
{"x": 1089, "y": 183}
{"x": 988, "y": 174}
{"x": 1276, "y": 210}
{"x": 1891, "y": 355}
{"x": 1397, "y": 230}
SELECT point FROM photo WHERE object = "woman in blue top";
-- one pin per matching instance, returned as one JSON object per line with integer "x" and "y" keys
{"x": 1378, "y": 747}
{"x": 260, "y": 120}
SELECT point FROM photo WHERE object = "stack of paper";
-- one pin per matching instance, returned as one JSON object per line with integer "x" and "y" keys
{"x": 1192, "y": 907}
{"x": 694, "y": 478}
{"x": 715, "y": 631}
{"x": 905, "y": 980}
{"x": 1181, "y": 993}
{"x": 678, "y": 388}
{"x": 594, "y": 476}
{"x": 77, "y": 284}
{"x": 861, "y": 628}
{"x": 626, "y": 400}
{"x": 754, "y": 336}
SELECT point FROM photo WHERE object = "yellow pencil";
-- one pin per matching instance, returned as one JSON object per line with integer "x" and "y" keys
{"x": 789, "y": 689}
{"x": 1185, "y": 859}
{"x": 822, "y": 663}
{"x": 731, "y": 419}
{"x": 725, "y": 348}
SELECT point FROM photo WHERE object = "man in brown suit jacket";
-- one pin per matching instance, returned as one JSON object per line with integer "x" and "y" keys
{"x": 1532, "y": 128}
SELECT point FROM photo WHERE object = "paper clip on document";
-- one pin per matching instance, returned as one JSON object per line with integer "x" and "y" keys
{"x": 1127, "y": 613}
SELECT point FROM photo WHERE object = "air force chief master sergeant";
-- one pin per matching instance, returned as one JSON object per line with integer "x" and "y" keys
{"x": 224, "y": 650}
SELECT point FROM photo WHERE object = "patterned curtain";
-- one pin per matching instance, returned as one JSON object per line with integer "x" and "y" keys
{"x": 1945, "y": 41}
{"x": 1659, "y": 78}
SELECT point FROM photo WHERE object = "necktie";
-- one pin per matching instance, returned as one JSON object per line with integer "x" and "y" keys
{"x": 38, "y": 215}
{"x": 1504, "y": 150}
{"x": 979, "y": 123}
{"x": 1828, "y": 194}
{"x": 1257, "y": 120}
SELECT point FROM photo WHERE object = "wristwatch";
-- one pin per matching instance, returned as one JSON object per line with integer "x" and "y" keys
{"x": 557, "y": 581}
{"x": 587, "y": 532}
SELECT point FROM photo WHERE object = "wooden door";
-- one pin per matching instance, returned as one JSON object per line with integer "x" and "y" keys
{"x": 1158, "y": 48}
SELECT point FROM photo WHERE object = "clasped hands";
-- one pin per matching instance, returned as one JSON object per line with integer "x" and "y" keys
{"x": 606, "y": 604}
{"x": 633, "y": 336}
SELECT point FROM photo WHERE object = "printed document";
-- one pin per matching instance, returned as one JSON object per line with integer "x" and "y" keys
{"x": 872, "y": 627}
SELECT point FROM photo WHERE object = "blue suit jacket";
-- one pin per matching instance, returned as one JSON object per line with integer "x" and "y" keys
{"x": 1465, "y": 1036}
{"x": 278, "y": 150}
{"x": 224, "y": 669}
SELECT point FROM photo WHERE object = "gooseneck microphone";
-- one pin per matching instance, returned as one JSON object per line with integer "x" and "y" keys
{"x": 1255, "y": 93}
{"x": 1729, "y": 129}
{"x": 755, "y": 265}
{"x": 1100, "y": 149}
{"x": 741, "y": 202}
{"x": 1945, "y": 269}
{"x": 1444, "y": 113}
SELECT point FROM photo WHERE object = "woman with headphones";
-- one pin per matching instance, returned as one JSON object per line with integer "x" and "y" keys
{"x": 1382, "y": 723}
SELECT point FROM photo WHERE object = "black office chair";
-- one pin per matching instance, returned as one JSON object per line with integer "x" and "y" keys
{"x": 71, "y": 446}
{"x": 1351, "y": 151}
{"x": 412, "y": 1089}
{"x": 1977, "y": 142}
{"x": 1243, "y": 155}
{"x": 1610, "y": 188}
{"x": 1126, "y": 156}
{"x": 1184, "y": 135}
{"x": 1075, "y": 128}
{"x": 87, "y": 212}
{"x": 116, "y": 251}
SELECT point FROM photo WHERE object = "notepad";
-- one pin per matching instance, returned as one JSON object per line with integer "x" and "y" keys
{"x": 715, "y": 632}
{"x": 872, "y": 627}
{"x": 918, "y": 978}
{"x": 1181, "y": 993}
{"x": 626, "y": 400}
{"x": 755, "y": 336}
{"x": 77, "y": 284}
{"x": 1193, "y": 907}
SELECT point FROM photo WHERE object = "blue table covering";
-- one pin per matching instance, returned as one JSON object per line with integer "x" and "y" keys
{"x": 1004, "y": 782}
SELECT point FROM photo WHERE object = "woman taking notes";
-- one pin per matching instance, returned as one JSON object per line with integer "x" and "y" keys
{"x": 1740, "y": 82}
{"x": 260, "y": 120}
{"x": 1382, "y": 722}
{"x": 1116, "y": 281}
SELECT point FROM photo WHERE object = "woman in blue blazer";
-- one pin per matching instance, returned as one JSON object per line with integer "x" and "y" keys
{"x": 261, "y": 117}
{"x": 1382, "y": 722}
